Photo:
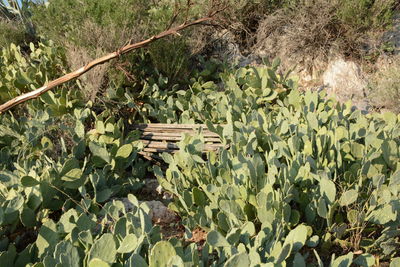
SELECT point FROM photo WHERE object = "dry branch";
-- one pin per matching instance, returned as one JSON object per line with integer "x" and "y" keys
{"x": 75, "y": 74}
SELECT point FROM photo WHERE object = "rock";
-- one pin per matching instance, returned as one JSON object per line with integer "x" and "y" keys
{"x": 223, "y": 46}
{"x": 345, "y": 80}
{"x": 153, "y": 188}
{"x": 160, "y": 213}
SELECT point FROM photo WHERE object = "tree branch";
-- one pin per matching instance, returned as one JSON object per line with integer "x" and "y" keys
{"x": 75, "y": 74}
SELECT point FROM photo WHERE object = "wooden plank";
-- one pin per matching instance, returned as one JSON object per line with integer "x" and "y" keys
{"x": 171, "y": 134}
{"x": 177, "y": 131}
{"x": 168, "y": 125}
{"x": 161, "y": 150}
{"x": 164, "y": 145}
{"x": 176, "y": 138}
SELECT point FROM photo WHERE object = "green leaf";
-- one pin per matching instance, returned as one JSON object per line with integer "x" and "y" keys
{"x": 98, "y": 263}
{"x": 312, "y": 121}
{"x": 15, "y": 204}
{"x": 313, "y": 241}
{"x": 395, "y": 262}
{"x": 215, "y": 239}
{"x": 348, "y": 197}
{"x": 175, "y": 261}
{"x": 161, "y": 253}
{"x": 395, "y": 179}
{"x": 199, "y": 197}
{"x": 129, "y": 244}
{"x": 284, "y": 253}
{"x": 299, "y": 260}
{"x": 136, "y": 261}
{"x": 7, "y": 257}
{"x": 241, "y": 259}
{"x": 198, "y": 159}
{"x": 29, "y": 181}
{"x": 80, "y": 129}
{"x": 47, "y": 237}
{"x": 100, "y": 154}
{"x": 382, "y": 215}
{"x": 297, "y": 237}
{"x": 100, "y": 127}
{"x": 321, "y": 209}
{"x": 104, "y": 248}
{"x": 28, "y": 217}
{"x": 328, "y": 189}
{"x": 72, "y": 175}
{"x": 343, "y": 261}
{"x": 365, "y": 260}
{"x": 124, "y": 151}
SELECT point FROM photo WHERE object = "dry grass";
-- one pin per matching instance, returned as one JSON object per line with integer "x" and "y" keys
{"x": 306, "y": 36}
{"x": 97, "y": 41}
{"x": 91, "y": 81}
{"x": 316, "y": 31}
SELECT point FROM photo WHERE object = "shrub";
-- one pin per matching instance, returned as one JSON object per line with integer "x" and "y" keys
{"x": 384, "y": 88}
{"x": 364, "y": 15}
{"x": 20, "y": 73}
{"x": 11, "y": 32}
{"x": 312, "y": 32}
{"x": 94, "y": 28}
{"x": 15, "y": 23}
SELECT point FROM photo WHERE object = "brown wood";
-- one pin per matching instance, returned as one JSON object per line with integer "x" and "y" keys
{"x": 161, "y": 137}
{"x": 75, "y": 74}
{"x": 169, "y": 145}
{"x": 169, "y": 125}
{"x": 173, "y": 138}
{"x": 178, "y": 133}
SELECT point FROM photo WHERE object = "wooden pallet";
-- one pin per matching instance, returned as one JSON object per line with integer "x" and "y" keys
{"x": 161, "y": 137}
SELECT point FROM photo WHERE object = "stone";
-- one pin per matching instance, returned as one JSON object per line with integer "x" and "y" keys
{"x": 160, "y": 213}
{"x": 153, "y": 188}
{"x": 345, "y": 80}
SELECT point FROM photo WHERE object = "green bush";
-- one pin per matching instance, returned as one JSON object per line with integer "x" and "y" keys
{"x": 11, "y": 33}
{"x": 100, "y": 27}
{"x": 299, "y": 168}
{"x": 366, "y": 14}
{"x": 15, "y": 23}
{"x": 21, "y": 74}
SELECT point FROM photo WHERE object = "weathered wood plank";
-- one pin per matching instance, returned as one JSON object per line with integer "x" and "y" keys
{"x": 162, "y": 137}
{"x": 155, "y": 144}
{"x": 175, "y": 138}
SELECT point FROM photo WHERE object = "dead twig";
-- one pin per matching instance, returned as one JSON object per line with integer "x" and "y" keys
{"x": 125, "y": 49}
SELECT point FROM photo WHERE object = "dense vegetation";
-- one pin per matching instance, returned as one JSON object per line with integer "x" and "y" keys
{"x": 301, "y": 181}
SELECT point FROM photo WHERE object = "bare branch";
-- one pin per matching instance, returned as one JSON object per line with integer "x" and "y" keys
{"x": 75, "y": 74}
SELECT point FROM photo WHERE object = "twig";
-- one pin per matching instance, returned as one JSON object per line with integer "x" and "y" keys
{"x": 75, "y": 74}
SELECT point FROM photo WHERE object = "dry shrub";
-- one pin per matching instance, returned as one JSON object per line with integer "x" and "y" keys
{"x": 385, "y": 86}
{"x": 317, "y": 30}
{"x": 97, "y": 41}
{"x": 11, "y": 32}
{"x": 91, "y": 81}
{"x": 305, "y": 36}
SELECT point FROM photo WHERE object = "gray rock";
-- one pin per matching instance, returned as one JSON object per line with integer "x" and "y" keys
{"x": 345, "y": 80}
{"x": 160, "y": 213}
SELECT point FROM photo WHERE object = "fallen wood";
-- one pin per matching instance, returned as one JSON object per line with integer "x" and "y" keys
{"x": 173, "y": 138}
{"x": 75, "y": 74}
{"x": 164, "y": 145}
{"x": 160, "y": 137}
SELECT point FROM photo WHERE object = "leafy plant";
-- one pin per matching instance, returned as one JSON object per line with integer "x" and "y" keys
{"x": 15, "y": 16}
